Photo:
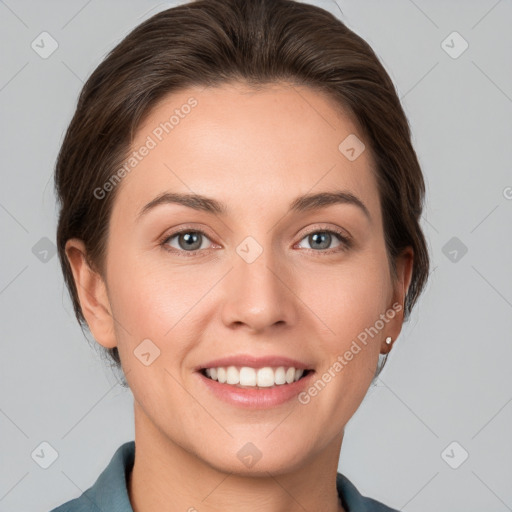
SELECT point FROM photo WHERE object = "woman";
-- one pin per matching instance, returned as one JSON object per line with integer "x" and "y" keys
{"x": 239, "y": 230}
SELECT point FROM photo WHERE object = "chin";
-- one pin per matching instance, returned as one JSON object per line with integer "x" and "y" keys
{"x": 256, "y": 458}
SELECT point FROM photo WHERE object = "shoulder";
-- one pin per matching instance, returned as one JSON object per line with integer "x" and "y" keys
{"x": 354, "y": 501}
{"x": 109, "y": 492}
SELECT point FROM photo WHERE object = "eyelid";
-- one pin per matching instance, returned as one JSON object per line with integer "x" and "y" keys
{"x": 344, "y": 234}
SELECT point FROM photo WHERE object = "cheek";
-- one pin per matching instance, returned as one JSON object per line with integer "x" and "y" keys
{"x": 346, "y": 297}
{"x": 151, "y": 296}
{"x": 348, "y": 302}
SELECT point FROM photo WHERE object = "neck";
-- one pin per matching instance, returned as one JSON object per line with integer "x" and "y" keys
{"x": 167, "y": 477}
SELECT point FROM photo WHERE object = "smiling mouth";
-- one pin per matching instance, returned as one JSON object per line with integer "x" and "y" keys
{"x": 255, "y": 378}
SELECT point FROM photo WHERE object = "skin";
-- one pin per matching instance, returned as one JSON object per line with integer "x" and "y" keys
{"x": 256, "y": 151}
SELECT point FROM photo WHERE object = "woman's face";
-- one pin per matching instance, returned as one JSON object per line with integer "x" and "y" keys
{"x": 302, "y": 283}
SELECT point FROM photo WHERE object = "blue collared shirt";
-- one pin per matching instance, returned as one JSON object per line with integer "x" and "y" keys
{"x": 110, "y": 494}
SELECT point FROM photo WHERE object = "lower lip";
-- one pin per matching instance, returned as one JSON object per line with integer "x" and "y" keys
{"x": 256, "y": 398}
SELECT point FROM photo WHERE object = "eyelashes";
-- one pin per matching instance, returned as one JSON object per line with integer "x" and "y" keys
{"x": 194, "y": 238}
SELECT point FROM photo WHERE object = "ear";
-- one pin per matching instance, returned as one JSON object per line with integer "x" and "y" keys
{"x": 92, "y": 294}
{"x": 404, "y": 267}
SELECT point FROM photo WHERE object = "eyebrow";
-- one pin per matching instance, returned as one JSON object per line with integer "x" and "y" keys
{"x": 304, "y": 203}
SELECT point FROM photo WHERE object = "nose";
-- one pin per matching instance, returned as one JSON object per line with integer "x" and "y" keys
{"x": 258, "y": 295}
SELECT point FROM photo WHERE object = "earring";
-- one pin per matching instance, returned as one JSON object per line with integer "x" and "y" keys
{"x": 389, "y": 340}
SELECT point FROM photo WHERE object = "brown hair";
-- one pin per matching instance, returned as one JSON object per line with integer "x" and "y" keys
{"x": 210, "y": 42}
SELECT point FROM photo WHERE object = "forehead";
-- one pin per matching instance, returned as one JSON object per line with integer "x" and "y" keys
{"x": 239, "y": 144}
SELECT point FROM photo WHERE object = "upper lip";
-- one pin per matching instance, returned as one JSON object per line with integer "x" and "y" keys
{"x": 255, "y": 362}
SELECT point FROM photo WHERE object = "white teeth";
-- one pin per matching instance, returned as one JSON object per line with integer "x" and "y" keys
{"x": 247, "y": 376}
{"x": 262, "y": 377}
{"x": 232, "y": 375}
{"x": 265, "y": 377}
{"x": 221, "y": 375}
{"x": 280, "y": 376}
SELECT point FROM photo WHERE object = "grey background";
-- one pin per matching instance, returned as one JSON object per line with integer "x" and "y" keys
{"x": 448, "y": 377}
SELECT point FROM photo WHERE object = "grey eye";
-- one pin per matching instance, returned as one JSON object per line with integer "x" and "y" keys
{"x": 321, "y": 239}
{"x": 187, "y": 240}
